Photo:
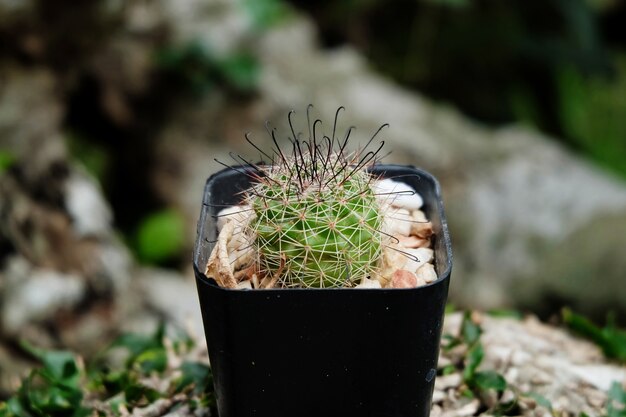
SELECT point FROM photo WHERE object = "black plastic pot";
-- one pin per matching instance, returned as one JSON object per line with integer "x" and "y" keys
{"x": 323, "y": 352}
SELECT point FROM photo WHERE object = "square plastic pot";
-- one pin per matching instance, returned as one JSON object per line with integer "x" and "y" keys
{"x": 323, "y": 352}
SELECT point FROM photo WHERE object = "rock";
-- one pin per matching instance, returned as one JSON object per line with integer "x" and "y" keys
{"x": 36, "y": 295}
{"x": 403, "y": 279}
{"x": 466, "y": 410}
{"x": 396, "y": 221}
{"x": 444, "y": 382}
{"x": 66, "y": 278}
{"x": 537, "y": 358}
{"x": 412, "y": 242}
{"x": 90, "y": 213}
{"x": 426, "y": 273}
{"x": 241, "y": 215}
{"x": 32, "y": 93}
{"x": 220, "y": 26}
{"x": 423, "y": 230}
{"x": 514, "y": 197}
{"x": 244, "y": 285}
{"x": 397, "y": 194}
{"x": 368, "y": 283}
{"x": 416, "y": 258}
{"x": 172, "y": 295}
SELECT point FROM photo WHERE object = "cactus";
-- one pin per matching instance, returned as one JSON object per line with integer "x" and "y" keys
{"x": 317, "y": 221}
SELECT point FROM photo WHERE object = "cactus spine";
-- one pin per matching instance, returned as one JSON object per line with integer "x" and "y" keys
{"x": 317, "y": 220}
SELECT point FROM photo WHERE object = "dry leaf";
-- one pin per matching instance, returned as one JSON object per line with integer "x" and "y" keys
{"x": 218, "y": 266}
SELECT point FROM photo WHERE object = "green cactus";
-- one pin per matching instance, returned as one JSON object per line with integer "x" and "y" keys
{"x": 317, "y": 220}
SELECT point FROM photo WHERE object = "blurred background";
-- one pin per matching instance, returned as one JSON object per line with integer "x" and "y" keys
{"x": 112, "y": 113}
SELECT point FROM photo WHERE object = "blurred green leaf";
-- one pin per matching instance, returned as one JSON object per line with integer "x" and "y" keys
{"x": 92, "y": 156}
{"x": 610, "y": 339}
{"x": 541, "y": 400}
{"x": 59, "y": 387}
{"x": 190, "y": 65}
{"x": 241, "y": 71}
{"x": 523, "y": 105}
{"x": 58, "y": 366}
{"x": 52, "y": 390}
{"x": 136, "y": 392}
{"x": 448, "y": 369}
{"x": 470, "y": 330}
{"x": 138, "y": 343}
{"x": 514, "y": 314}
{"x": 450, "y": 341}
{"x": 195, "y": 374}
{"x": 7, "y": 159}
{"x": 616, "y": 404}
{"x": 161, "y": 236}
{"x": 266, "y": 13}
{"x": 450, "y": 308}
{"x": 592, "y": 112}
{"x": 152, "y": 360}
{"x": 12, "y": 408}
{"x": 473, "y": 360}
{"x": 489, "y": 380}
{"x": 194, "y": 66}
{"x": 146, "y": 351}
{"x": 468, "y": 393}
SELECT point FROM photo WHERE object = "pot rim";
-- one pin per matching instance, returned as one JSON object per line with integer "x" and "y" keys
{"x": 445, "y": 235}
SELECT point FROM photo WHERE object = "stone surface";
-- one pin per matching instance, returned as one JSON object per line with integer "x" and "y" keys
{"x": 35, "y": 295}
{"x": 65, "y": 278}
{"x": 31, "y": 95}
{"x": 172, "y": 296}
{"x": 518, "y": 203}
{"x": 514, "y": 198}
{"x": 534, "y": 358}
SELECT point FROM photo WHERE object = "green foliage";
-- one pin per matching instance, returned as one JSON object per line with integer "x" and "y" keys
{"x": 470, "y": 330}
{"x": 317, "y": 221}
{"x": 610, "y": 338}
{"x": 63, "y": 388}
{"x": 266, "y": 13}
{"x": 450, "y": 308}
{"x": 505, "y": 313}
{"x": 7, "y": 159}
{"x": 593, "y": 114}
{"x": 477, "y": 381}
{"x": 52, "y": 390}
{"x": 489, "y": 380}
{"x": 160, "y": 237}
{"x": 616, "y": 405}
{"x": 240, "y": 71}
{"x": 137, "y": 344}
{"x": 93, "y": 157}
{"x": 195, "y": 375}
{"x": 540, "y": 400}
{"x": 198, "y": 70}
{"x": 474, "y": 358}
{"x": 489, "y": 58}
{"x": 557, "y": 65}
